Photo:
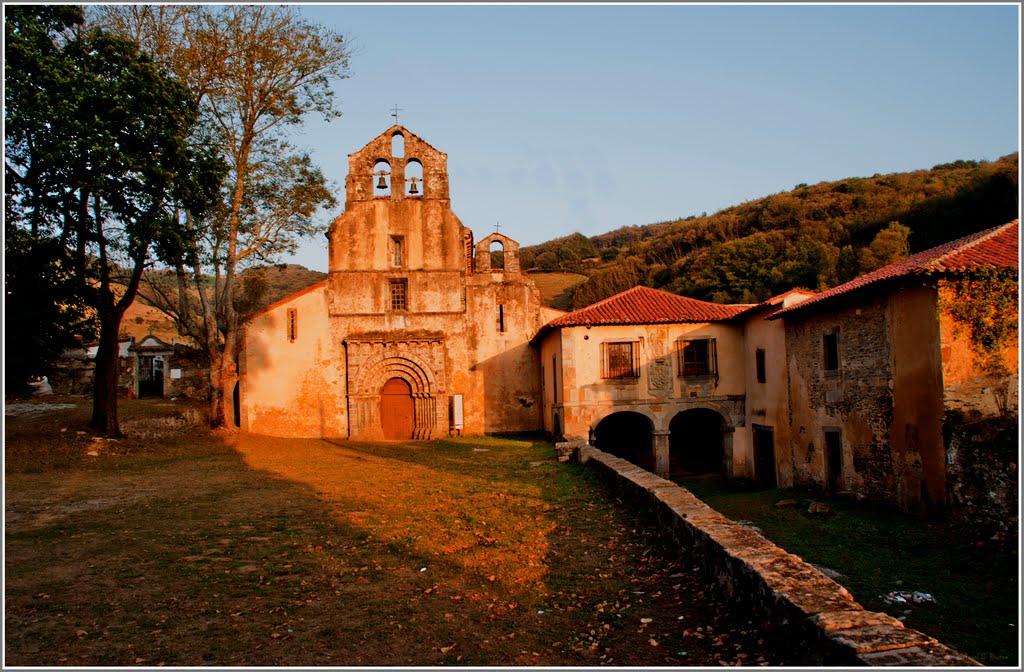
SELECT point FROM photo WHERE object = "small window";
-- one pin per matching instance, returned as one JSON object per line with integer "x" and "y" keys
{"x": 620, "y": 360}
{"x": 554, "y": 379}
{"x": 501, "y": 318}
{"x": 399, "y": 294}
{"x": 698, "y": 358}
{"x": 759, "y": 365}
{"x": 293, "y": 324}
{"x": 830, "y": 345}
{"x": 397, "y": 251}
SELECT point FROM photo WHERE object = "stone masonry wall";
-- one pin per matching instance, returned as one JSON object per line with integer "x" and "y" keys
{"x": 856, "y": 399}
{"x": 801, "y": 608}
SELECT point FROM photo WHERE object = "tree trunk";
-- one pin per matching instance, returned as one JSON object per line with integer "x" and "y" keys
{"x": 104, "y": 404}
{"x": 228, "y": 380}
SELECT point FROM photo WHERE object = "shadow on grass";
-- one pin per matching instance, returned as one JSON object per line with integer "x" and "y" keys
{"x": 210, "y": 549}
{"x": 878, "y": 550}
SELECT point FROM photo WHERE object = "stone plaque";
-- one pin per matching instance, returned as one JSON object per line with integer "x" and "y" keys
{"x": 659, "y": 377}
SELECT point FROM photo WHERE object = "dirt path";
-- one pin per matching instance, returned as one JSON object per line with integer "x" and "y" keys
{"x": 256, "y": 551}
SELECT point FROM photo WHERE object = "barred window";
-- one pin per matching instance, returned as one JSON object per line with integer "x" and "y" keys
{"x": 620, "y": 360}
{"x": 399, "y": 294}
{"x": 293, "y": 324}
{"x": 698, "y": 358}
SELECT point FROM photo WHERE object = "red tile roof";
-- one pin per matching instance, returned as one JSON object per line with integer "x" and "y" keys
{"x": 645, "y": 305}
{"x": 775, "y": 302}
{"x": 997, "y": 247}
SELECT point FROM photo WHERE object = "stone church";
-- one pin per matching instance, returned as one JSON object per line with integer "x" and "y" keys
{"x": 415, "y": 333}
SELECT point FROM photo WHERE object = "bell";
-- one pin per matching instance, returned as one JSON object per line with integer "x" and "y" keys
{"x": 382, "y": 183}
{"x": 413, "y": 189}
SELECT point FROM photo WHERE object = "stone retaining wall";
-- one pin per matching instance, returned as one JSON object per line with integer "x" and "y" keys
{"x": 797, "y": 606}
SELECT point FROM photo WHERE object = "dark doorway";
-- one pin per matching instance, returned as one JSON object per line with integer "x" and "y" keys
{"x": 764, "y": 456}
{"x": 834, "y": 460}
{"x": 696, "y": 443}
{"x": 626, "y": 435}
{"x": 151, "y": 376}
{"x": 236, "y": 404}
{"x": 397, "y": 409}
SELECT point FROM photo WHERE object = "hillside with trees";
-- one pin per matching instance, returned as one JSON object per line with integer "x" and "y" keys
{"x": 813, "y": 237}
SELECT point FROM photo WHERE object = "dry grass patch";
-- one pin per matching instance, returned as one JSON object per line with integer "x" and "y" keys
{"x": 206, "y": 549}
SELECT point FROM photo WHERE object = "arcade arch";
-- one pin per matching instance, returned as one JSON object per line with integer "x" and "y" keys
{"x": 628, "y": 435}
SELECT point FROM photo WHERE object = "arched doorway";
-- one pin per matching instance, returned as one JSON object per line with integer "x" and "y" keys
{"x": 627, "y": 435}
{"x": 397, "y": 409}
{"x": 696, "y": 443}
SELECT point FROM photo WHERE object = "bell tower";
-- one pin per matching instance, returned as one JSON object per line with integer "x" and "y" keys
{"x": 396, "y": 165}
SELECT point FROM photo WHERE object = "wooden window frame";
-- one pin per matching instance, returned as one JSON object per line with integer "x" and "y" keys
{"x": 688, "y": 366}
{"x": 616, "y": 364}
{"x": 398, "y": 298}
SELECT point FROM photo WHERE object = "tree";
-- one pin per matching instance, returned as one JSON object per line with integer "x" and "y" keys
{"x": 41, "y": 300}
{"x": 257, "y": 71}
{"x": 97, "y": 146}
{"x": 890, "y": 245}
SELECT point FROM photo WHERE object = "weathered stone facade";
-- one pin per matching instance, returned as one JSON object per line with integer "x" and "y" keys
{"x": 409, "y": 297}
{"x": 149, "y": 367}
{"x": 901, "y": 368}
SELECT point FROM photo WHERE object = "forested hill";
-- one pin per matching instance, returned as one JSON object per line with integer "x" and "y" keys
{"x": 814, "y": 236}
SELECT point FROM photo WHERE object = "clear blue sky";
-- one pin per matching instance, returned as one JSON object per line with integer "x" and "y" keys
{"x": 586, "y": 118}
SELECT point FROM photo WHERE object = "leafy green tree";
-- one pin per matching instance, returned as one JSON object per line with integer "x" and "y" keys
{"x": 847, "y": 264}
{"x": 40, "y": 296}
{"x": 96, "y": 140}
{"x": 547, "y": 262}
{"x": 745, "y": 269}
{"x": 608, "y": 282}
{"x": 258, "y": 71}
{"x": 890, "y": 245}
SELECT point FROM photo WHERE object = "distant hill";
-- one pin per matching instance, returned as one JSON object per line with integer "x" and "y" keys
{"x": 256, "y": 288}
{"x": 556, "y": 289}
{"x": 813, "y": 236}
{"x": 284, "y": 280}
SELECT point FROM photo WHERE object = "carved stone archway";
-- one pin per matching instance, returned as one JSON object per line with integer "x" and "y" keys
{"x": 374, "y": 361}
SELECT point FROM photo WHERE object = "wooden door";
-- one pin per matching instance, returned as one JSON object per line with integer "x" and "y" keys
{"x": 764, "y": 456}
{"x": 397, "y": 412}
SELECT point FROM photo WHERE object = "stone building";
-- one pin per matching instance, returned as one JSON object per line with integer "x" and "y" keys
{"x": 675, "y": 384}
{"x": 848, "y": 391}
{"x": 420, "y": 332}
{"x": 148, "y": 367}
{"x": 414, "y": 334}
{"x": 877, "y": 364}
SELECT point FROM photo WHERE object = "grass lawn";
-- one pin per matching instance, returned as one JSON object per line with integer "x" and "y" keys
{"x": 184, "y": 547}
{"x": 973, "y": 580}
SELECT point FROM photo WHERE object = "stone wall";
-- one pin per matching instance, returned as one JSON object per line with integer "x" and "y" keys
{"x": 856, "y": 399}
{"x": 981, "y": 477}
{"x": 801, "y": 609}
